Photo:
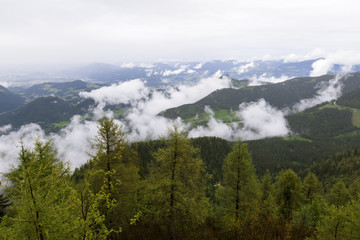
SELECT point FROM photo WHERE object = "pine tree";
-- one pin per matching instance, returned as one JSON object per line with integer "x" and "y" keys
{"x": 176, "y": 187}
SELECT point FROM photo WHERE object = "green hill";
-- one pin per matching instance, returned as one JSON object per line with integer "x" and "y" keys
{"x": 9, "y": 100}
{"x": 68, "y": 91}
{"x": 49, "y": 112}
{"x": 280, "y": 95}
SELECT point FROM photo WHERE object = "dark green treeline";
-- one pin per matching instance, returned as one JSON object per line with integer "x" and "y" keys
{"x": 177, "y": 188}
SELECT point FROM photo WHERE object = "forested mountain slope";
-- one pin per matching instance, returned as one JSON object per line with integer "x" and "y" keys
{"x": 279, "y": 95}
{"x": 9, "y": 100}
{"x": 49, "y": 112}
{"x": 68, "y": 91}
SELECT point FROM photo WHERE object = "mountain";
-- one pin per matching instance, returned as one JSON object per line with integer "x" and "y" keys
{"x": 49, "y": 112}
{"x": 68, "y": 91}
{"x": 9, "y": 100}
{"x": 280, "y": 95}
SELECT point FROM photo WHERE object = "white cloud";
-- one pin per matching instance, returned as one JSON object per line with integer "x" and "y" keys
{"x": 264, "y": 79}
{"x": 259, "y": 120}
{"x": 198, "y": 66}
{"x": 143, "y": 119}
{"x": 5, "y": 128}
{"x": 216, "y": 128}
{"x": 74, "y": 141}
{"x": 143, "y": 30}
{"x": 124, "y": 92}
{"x": 5, "y": 84}
{"x": 146, "y": 104}
{"x": 314, "y": 54}
{"x": 146, "y": 65}
{"x": 10, "y": 144}
{"x": 175, "y": 72}
{"x": 327, "y": 91}
{"x": 262, "y": 120}
{"x": 347, "y": 58}
{"x": 128, "y": 65}
{"x": 321, "y": 67}
{"x": 245, "y": 68}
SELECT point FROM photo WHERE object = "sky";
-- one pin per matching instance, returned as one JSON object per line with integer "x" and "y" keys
{"x": 114, "y": 31}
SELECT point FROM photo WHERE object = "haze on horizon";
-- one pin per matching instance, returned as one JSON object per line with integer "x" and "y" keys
{"x": 45, "y": 32}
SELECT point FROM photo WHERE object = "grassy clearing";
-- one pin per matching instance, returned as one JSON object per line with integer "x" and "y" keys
{"x": 62, "y": 124}
{"x": 296, "y": 138}
{"x": 356, "y": 118}
{"x": 223, "y": 115}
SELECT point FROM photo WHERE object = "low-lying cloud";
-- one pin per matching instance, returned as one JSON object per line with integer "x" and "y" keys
{"x": 259, "y": 120}
{"x": 328, "y": 91}
{"x": 73, "y": 142}
{"x": 264, "y": 79}
{"x": 10, "y": 143}
{"x": 125, "y": 92}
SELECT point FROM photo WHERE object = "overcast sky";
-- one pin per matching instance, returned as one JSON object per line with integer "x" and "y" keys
{"x": 115, "y": 31}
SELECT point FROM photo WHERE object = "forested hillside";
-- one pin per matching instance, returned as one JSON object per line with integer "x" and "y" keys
{"x": 9, "y": 100}
{"x": 280, "y": 95}
{"x": 179, "y": 188}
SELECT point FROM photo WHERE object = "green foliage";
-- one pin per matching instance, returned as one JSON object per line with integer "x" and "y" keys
{"x": 68, "y": 91}
{"x": 352, "y": 99}
{"x": 343, "y": 166}
{"x": 176, "y": 188}
{"x": 280, "y": 95}
{"x": 311, "y": 188}
{"x": 238, "y": 193}
{"x": 340, "y": 222}
{"x": 339, "y": 194}
{"x": 9, "y": 100}
{"x": 107, "y": 199}
{"x": 4, "y": 203}
{"x": 317, "y": 123}
{"x": 44, "y": 204}
{"x": 115, "y": 171}
{"x": 288, "y": 191}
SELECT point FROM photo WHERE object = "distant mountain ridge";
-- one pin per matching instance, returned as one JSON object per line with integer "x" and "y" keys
{"x": 68, "y": 91}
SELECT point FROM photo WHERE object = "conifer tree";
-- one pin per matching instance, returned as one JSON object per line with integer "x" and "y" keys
{"x": 312, "y": 188}
{"x": 339, "y": 194}
{"x": 115, "y": 171}
{"x": 238, "y": 193}
{"x": 176, "y": 187}
{"x": 289, "y": 194}
{"x": 42, "y": 197}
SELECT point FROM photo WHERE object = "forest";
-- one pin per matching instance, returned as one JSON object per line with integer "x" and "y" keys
{"x": 178, "y": 188}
